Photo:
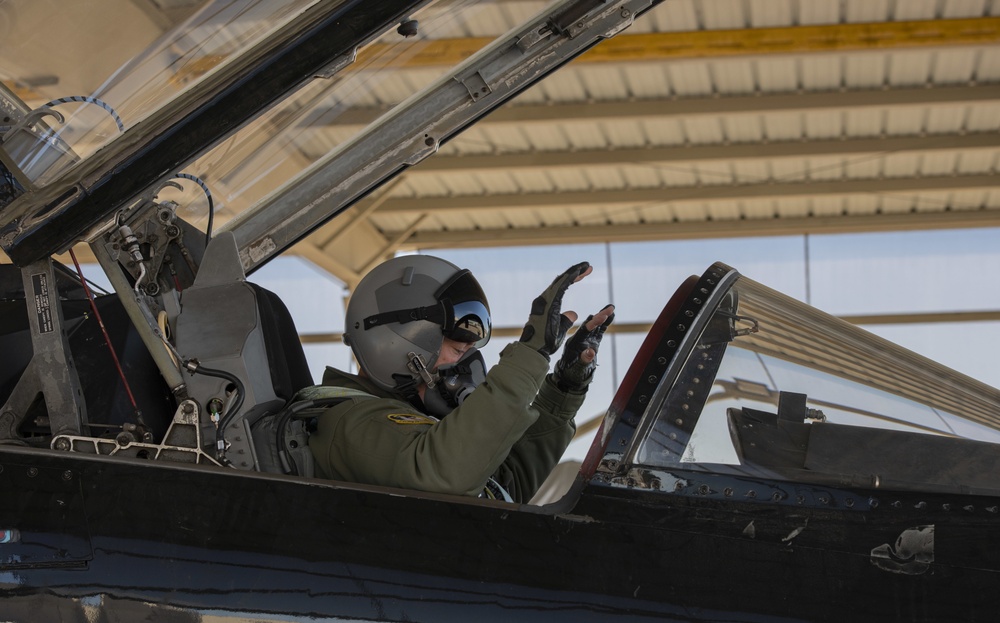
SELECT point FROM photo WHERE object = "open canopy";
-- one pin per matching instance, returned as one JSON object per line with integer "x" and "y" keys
{"x": 216, "y": 100}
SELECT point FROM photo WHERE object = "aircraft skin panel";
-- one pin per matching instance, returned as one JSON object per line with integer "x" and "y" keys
{"x": 193, "y": 542}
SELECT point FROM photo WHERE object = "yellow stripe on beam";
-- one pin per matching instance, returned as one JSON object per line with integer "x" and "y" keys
{"x": 796, "y": 40}
{"x": 632, "y": 48}
{"x": 627, "y": 48}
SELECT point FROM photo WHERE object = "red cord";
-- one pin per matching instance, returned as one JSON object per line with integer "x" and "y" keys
{"x": 107, "y": 338}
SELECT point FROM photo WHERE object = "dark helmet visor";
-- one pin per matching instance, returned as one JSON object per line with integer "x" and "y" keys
{"x": 469, "y": 320}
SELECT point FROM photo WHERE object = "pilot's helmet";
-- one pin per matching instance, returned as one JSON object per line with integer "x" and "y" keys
{"x": 402, "y": 309}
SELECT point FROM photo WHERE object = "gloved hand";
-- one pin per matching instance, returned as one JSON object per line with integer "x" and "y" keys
{"x": 547, "y": 325}
{"x": 575, "y": 368}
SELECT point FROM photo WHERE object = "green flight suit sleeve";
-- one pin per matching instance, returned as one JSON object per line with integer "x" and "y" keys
{"x": 387, "y": 442}
{"x": 533, "y": 457}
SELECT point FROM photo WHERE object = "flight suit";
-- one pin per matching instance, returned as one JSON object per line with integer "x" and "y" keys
{"x": 514, "y": 427}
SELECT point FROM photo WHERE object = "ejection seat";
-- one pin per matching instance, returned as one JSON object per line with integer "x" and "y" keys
{"x": 246, "y": 358}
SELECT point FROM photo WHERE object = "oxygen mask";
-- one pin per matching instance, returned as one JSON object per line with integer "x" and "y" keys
{"x": 455, "y": 383}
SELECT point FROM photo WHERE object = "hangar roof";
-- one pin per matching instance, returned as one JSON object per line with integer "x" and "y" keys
{"x": 703, "y": 119}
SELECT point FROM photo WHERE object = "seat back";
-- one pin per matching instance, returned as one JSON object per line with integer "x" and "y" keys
{"x": 245, "y": 331}
{"x": 285, "y": 357}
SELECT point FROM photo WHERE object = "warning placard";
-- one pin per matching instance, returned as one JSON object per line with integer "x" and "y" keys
{"x": 43, "y": 306}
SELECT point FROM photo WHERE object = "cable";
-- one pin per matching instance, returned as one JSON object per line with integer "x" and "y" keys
{"x": 211, "y": 202}
{"x": 138, "y": 281}
{"x": 164, "y": 326}
{"x": 194, "y": 367}
{"x": 107, "y": 340}
{"x": 89, "y": 100}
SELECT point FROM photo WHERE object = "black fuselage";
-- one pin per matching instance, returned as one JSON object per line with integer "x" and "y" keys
{"x": 132, "y": 539}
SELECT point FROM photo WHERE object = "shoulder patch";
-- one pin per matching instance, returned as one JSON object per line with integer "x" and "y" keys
{"x": 411, "y": 418}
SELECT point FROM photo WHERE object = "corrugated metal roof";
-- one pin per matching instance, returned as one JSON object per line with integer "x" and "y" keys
{"x": 705, "y": 118}
{"x": 834, "y": 157}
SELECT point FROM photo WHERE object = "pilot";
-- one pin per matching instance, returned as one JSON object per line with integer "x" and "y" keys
{"x": 423, "y": 413}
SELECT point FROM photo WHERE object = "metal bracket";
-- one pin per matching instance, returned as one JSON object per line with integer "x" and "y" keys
{"x": 589, "y": 15}
{"x": 142, "y": 319}
{"x": 337, "y": 64}
{"x": 181, "y": 444}
{"x": 32, "y": 150}
{"x": 476, "y": 85}
{"x": 12, "y": 114}
{"x": 50, "y": 372}
{"x": 11, "y": 106}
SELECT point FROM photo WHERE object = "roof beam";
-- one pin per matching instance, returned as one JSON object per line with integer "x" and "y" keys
{"x": 678, "y": 45}
{"x": 659, "y": 46}
{"x": 325, "y": 260}
{"x": 703, "y": 230}
{"x": 690, "y": 107}
{"x": 664, "y": 195}
{"x": 798, "y": 39}
{"x": 470, "y": 163}
{"x": 641, "y": 328}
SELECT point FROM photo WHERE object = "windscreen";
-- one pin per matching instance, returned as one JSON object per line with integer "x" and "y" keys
{"x": 772, "y": 386}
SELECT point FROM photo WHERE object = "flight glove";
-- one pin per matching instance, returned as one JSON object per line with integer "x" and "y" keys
{"x": 573, "y": 372}
{"x": 547, "y": 326}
